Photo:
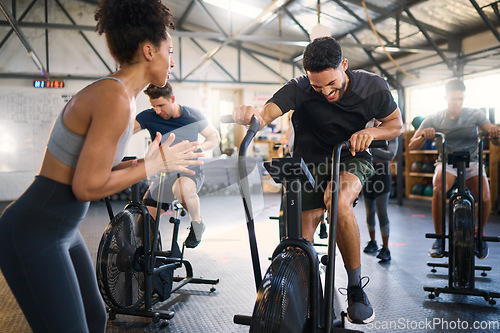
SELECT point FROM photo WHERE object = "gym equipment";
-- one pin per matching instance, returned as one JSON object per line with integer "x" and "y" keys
{"x": 418, "y": 189}
{"x": 417, "y": 121}
{"x": 282, "y": 213}
{"x": 428, "y": 190}
{"x": 429, "y": 145}
{"x": 416, "y": 166}
{"x": 461, "y": 221}
{"x": 428, "y": 167}
{"x": 290, "y": 296}
{"x": 133, "y": 272}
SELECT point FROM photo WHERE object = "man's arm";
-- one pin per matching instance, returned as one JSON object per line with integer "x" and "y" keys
{"x": 212, "y": 138}
{"x": 493, "y": 132}
{"x": 420, "y": 136}
{"x": 137, "y": 127}
{"x": 266, "y": 114}
{"x": 390, "y": 127}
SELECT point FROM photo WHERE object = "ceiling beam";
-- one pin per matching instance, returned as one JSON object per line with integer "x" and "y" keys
{"x": 23, "y": 39}
{"x": 301, "y": 27}
{"x": 359, "y": 19}
{"x": 215, "y": 61}
{"x": 185, "y": 14}
{"x": 89, "y": 43}
{"x": 431, "y": 41}
{"x": 271, "y": 9}
{"x": 486, "y": 20}
{"x": 207, "y": 13}
{"x": 23, "y": 15}
{"x": 392, "y": 81}
{"x": 385, "y": 14}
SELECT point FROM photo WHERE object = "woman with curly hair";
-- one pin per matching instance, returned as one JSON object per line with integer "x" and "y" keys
{"x": 42, "y": 254}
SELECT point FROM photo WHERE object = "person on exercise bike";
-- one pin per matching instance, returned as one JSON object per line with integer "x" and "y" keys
{"x": 186, "y": 123}
{"x": 460, "y": 125}
{"x": 43, "y": 255}
{"x": 332, "y": 104}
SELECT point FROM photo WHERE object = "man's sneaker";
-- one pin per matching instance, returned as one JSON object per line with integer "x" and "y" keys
{"x": 322, "y": 231}
{"x": 436, "y": 251}
{"x": 483, "y": 252}
{"x": 195, "y": 233}
{"x": 384, "y": 254}
{"x": 370, "y": 247}
{"x": 359, "y": 309}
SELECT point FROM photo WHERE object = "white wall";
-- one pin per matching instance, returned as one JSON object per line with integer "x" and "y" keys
{"x": 23, "y": 140}
{"x": 27, "y": 115}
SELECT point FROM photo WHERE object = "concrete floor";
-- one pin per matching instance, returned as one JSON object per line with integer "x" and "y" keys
{"x": 395, "y": 289}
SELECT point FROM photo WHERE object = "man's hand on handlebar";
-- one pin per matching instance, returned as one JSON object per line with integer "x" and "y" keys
{"x": 242, "y": 115}
{"x": 429, "y": 133}
{"x": 494, "y": 132}
{"x": 360, "y": 141}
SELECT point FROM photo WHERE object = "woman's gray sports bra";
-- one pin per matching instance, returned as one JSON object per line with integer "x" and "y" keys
{"x": 66, "y": 146}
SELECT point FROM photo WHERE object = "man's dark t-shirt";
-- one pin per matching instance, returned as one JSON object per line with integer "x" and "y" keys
{"x": 185, "y": 127}
{"x": 319, "y": 125}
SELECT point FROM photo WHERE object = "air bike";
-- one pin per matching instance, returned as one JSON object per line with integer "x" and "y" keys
{"x": 290, "y": 297}
{"x": 461, "y": 218}
{"x": 133, "y": 273}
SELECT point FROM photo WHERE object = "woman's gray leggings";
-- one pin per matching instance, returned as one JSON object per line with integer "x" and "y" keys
{"x": 46, "y": 262}
{"x": 379, "y": 206}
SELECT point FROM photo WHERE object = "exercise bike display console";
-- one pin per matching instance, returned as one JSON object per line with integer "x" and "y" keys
{"x": 461, "y": 219}
{"x": 290, "y": 296}
{"x": 133, "y": 272}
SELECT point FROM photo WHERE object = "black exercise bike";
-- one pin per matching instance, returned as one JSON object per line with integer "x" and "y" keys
{"x": 133, "y": 272}
{"x": 461, "y": 218}
{"x": 290, "y": 296}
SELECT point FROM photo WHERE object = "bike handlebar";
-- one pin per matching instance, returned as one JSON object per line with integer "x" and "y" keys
{"x": 253, "y": 128}
{"x": 251, "y": 132}
{"x": 346, "y": 145}
{"x": 436, "y": 135}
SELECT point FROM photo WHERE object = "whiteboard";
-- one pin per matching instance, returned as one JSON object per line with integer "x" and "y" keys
{"x": 26, "y": 118}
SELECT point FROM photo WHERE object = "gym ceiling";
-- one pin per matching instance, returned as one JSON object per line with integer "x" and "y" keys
{"x": 408, "y": 42}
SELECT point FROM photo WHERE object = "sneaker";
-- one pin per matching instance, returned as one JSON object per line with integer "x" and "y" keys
{"x": 483, "y": 252}
{"x": 370, "y": 247}
{"x": 384, "y": 254}
{"x": 436, "y": 251}
{"x": 359, "y": 309}
{"x": 195, "y": 233}
{"x": 322, "y": 231}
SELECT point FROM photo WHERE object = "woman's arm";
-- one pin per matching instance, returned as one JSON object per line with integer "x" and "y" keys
{"x": 94, "y": 177}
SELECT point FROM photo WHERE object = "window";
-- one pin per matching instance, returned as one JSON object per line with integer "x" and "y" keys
{"x": 481, "y": 93}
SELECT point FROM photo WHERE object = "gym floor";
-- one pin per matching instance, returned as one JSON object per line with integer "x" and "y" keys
{"x": 395, "y": 288}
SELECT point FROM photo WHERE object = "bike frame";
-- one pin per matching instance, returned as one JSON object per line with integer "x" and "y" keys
{"x": 461, "y": 196}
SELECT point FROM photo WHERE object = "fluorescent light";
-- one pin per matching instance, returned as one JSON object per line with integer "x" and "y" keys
{"x": 236, "y": 7}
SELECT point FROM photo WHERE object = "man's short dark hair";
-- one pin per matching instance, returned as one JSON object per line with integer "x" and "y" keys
{"x": 155, "y": 92}
{"x": 455, "y": 85}
{"x": 321, "y": 54}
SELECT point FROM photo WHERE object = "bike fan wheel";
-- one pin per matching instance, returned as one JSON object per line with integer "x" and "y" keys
{"x": 282, "y": 303}
{"x": 463, "y": 244}
{"x": 120, "y": 260}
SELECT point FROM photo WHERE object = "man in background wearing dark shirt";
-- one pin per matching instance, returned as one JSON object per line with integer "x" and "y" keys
{"x": 186, "y": 123}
